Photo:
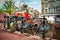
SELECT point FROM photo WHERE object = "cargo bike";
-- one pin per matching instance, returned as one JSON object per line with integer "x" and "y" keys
{"x": 35, "y": 26}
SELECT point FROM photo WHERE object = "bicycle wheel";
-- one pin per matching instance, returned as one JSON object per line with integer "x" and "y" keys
{"x": 50, "y": 33}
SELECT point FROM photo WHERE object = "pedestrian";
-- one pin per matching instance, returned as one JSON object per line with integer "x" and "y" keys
{"x": 44, "y": 20}
{"x": 55, "y": 19}
{"x": 44, "y": 26}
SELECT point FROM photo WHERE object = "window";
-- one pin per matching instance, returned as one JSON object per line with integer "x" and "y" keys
{"x": 58, "y": 0}
{"x": 51, "y": 10}
{"x": 58, "y": 3}
{"x": 42, "y": 6}
{"x": 58, "y": 10}
{"x": 45, "y": 10}
{"x": 46, "y": 4}
{"x": 51, "y": 4}
{"x": 45, "y": 0}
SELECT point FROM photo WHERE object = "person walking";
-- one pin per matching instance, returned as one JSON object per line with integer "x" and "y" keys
{"x": 44, "y": 23}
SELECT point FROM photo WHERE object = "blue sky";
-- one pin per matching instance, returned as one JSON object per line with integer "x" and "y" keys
{"x": 36, "y": 4}
{"x": 0, "y": 5}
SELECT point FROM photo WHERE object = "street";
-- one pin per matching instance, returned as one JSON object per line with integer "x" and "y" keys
{"x": 4, "y": 35}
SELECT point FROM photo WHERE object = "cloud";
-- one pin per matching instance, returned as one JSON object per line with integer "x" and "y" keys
{"x": 32, "y": 3}
{"x": 17, "y": 0}
{"x": 17, "y": 4}
{"x": 36, "y": 4}
{"x": 1, "y": 1}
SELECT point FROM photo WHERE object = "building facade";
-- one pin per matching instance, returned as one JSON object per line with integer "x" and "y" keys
{"x": 50, "y": 6}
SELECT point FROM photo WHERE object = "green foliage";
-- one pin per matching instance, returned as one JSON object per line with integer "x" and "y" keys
{"x": 24, "y": 6}
{"x": 1, "y": 11}
{"x": 8, "y": 6}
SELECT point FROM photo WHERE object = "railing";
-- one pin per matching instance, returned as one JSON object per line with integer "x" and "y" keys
{"x": 50, "y": 14}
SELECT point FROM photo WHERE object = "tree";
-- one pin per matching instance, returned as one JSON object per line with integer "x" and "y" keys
{"x": 1, "y": 11}
{"x": 24, "y": 6}
{"x": 8, "y": 6}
